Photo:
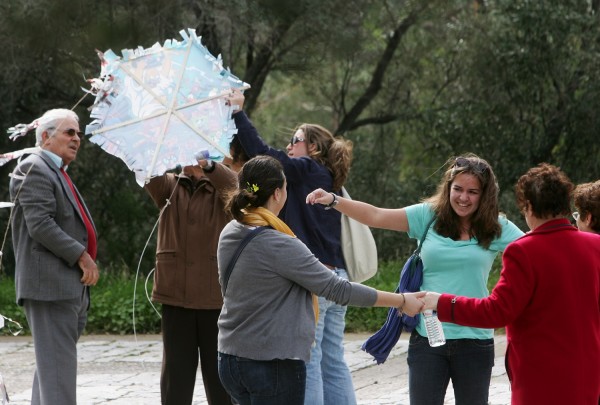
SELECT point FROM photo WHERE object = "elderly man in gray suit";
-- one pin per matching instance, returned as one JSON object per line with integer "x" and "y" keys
{"x": 54, "y": 240}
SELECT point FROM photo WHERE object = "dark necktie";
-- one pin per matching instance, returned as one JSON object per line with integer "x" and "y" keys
{"x": 92, "y": 243}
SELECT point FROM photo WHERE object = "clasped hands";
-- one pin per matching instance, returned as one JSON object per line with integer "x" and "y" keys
{"x": 418, "y": 302}
{"x": 413, "y": 302}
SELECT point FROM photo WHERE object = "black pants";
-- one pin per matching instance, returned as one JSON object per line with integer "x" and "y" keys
{"x": 187, "y": 335}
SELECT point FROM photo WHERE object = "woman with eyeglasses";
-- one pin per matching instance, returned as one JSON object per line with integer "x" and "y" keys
{"x": 586, "y": 199}
{"x": 548, "y": 297}
{"x": 458, "y": 253}
{"x": 267, "y": 324}
{"x": 314, "y": 158}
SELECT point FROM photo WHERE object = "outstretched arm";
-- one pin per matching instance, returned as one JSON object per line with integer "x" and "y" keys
{"x": 385, "y": 218}
{"x": 408, "y": 303}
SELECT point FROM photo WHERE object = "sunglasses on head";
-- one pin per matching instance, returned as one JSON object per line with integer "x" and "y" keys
{"x": 477, "y": 166}
{"x": 73, "y": 132}
{"x": 295, "y": 139}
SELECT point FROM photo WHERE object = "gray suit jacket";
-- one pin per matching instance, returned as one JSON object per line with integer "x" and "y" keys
{"x": 48, "y": 232}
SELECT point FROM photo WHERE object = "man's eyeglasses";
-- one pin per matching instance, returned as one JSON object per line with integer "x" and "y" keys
{"x": 575, "y": 216}
{"x": 295, "y": 139}
{"x": 73, "y": 132}
{"x": 478, "y": 166}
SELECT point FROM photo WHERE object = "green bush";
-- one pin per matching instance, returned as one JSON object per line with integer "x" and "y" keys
{"x": 371, "y": 319}
{"x": 112, "y": 303}
{"x": 9, "y": 308}
{"x": 112, "y": 309}
{"x": 386, "y": 279}
{"x": 112, "y": 306}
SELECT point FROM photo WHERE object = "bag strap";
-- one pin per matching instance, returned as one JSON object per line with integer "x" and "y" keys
{"x": 237, "y": 253}
{"x": 418, "y": 249}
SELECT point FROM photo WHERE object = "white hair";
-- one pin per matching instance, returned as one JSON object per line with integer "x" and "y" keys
{"x": 52, "y": 120}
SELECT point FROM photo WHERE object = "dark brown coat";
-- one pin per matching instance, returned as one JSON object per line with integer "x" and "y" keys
{"x": 188, "y": 233}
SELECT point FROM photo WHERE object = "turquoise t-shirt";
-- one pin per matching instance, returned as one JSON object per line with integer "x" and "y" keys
{"x": 456, "y": 267}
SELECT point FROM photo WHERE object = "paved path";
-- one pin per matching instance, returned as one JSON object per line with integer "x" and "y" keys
{"x": 122, "y": 370}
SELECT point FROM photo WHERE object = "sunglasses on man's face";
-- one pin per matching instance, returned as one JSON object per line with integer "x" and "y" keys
{"x": 295, "y": 139}
{"x": 72, "y": 132}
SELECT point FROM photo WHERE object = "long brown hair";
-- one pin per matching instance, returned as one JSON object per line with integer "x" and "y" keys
{"x": 484, "y": 222}
{"x": 335, "y": 153}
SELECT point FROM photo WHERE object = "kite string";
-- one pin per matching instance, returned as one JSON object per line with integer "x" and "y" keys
{"x": 137, "y": 272}
{"x": 168, "y": 202}
{"x": 10, "y": 215}
{"x": 79, "y": 101}
{"x": 14, "y": 201}
{"x": 19, "y": 191}
{"x": 17, "y": 324}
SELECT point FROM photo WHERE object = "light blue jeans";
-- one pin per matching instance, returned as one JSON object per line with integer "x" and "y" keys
{"x": 328, "y": 379}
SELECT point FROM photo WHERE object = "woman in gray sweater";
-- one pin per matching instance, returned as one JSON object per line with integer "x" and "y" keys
{"x": 267, "y": 323}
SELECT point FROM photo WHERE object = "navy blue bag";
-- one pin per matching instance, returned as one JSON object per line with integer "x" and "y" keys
{"x": 383, "y": 341}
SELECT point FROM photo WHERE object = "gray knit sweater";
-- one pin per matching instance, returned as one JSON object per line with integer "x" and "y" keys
{"x": 267, "y": 311}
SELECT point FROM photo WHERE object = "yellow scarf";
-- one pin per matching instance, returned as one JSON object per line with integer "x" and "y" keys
{"x": 263, "y": 217}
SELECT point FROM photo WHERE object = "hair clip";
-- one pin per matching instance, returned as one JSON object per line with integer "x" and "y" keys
{"x": 252, "y": 188}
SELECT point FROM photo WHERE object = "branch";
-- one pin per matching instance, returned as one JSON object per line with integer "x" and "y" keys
{"x": 384, "y": 119}
{"x": 260, "y": 64}
{"x": 378, "y": 75}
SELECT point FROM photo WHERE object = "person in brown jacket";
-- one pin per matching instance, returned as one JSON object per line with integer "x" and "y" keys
{"x": 186, "y": 280}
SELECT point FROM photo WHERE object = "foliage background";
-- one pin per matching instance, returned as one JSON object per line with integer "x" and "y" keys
{"x": 410, "y": 82}
{"x": 121, "y": 306}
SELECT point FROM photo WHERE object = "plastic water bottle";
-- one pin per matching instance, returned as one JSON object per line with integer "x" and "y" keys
{"x": 202, "y": 154}
{"x": 435, "y": 333}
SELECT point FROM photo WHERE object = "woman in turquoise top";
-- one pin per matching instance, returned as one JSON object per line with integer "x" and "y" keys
{"x": 457, "y": 254}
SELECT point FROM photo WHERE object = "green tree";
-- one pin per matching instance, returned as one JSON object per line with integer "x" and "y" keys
{"x": 411, "y": 83}
{"x": 526, "y": 92}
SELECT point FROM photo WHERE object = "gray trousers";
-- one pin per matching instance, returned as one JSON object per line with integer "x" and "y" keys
{"x": 56, "y": 327}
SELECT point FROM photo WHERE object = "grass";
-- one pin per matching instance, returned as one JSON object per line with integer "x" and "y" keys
{"x": 112, "y": 309}
{"x": 386, "y": 279}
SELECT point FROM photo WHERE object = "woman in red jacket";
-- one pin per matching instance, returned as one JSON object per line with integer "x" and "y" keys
{"x": 586, "y": 199}
{"x": 548, "y": 297}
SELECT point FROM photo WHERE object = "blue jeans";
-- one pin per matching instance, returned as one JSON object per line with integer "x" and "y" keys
{"x": 328, "y": 378}
{"x": 468, "y": 362}
{"x": 272, "y": 382}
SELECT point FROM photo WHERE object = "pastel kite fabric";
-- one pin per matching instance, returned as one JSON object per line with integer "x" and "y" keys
{"x": 7, "y": 157}
{"x": 156, "y": 108}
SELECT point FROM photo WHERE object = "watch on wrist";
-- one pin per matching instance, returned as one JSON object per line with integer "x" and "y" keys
{"x": 332, "y": 203}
